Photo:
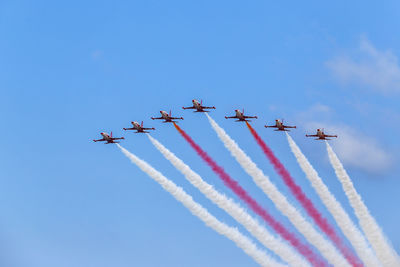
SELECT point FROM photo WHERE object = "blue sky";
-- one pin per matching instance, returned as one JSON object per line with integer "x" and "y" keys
{"x": 71, "y": 70}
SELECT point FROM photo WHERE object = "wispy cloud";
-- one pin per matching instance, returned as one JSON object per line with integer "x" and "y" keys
{"x": 355, "y": 149}
{"x": 358, "y": 150}
{"x": 371, "y": 67}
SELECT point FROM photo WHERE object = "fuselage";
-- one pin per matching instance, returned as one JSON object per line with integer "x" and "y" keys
{"x": 279, "y": 124}
{"x": 239, "y": 114}
{"x": 136, "y": 125}
{"x": 165, "y": 115}
{"x": 196, "y": 104}
{"x": 105, "y": 136}
{"x": 320, "y": 134}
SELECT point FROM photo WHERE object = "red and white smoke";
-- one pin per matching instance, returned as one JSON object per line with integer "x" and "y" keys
{"x": 305, "y": 202}
{"x": 326, "y": 248}
{"x": 302, "y": 248}
{"x": 197, "y": 210}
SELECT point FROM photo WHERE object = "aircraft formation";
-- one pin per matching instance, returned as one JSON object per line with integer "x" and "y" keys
{"x": 369, "y": 247}
{"x": 198, "y": 107}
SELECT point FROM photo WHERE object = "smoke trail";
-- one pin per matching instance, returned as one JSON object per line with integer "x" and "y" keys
{"x": 335, "y": 208}
{"x": 196, "y": 209}
{"x": 296, "y": 190}
{"x": 240, "y": 192}
{"x": 280, "y": 201}
{"x": 373, "y": 232}
{"x": 287, "y": 253}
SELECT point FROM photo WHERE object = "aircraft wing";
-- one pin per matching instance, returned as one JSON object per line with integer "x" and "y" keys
{"x": 188, "y": 107}
{"x": 148, "y": 129}
{"x": 117, "y": 138}
{"x": 208, "y": 107}
{"x": 176, "y": 118}
{"x": 312, "y": 135}
{"x": 271, "y": 126}
{"x": 326, "y": 135}
{"x": 158, "y": 118}
{"x": 250, "y": 117}
{"x": 230, "y": 117}
{"x": 98, "y": 140}
{"x": 129, "y": 129}
{"x": 284, "y": 126}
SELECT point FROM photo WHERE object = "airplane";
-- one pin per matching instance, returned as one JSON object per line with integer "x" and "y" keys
{"x": 167, "y": 117}
{"x": 279, "y": 126}
{"x": 108, "y": 138}
{"x": 198, "y": 106}
{"x": 139, "y": 127}
{"x": 321, "y": 135}
{"x": 240, "y": 116}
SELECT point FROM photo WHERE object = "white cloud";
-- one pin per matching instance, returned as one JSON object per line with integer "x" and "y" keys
{"x": 354, "y": 148}
{"x": 317, "y": 112}
{"x": 376, "y": 69}
{"x": 320, "y": 108}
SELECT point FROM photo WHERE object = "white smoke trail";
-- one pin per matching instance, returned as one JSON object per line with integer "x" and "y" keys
{"x": 196, "y": 209}
{"x": 354, "y": 235}
{"x": 287, "y": 253}
{"x": 282, "y": 204}
{"x": 373, "y": 232}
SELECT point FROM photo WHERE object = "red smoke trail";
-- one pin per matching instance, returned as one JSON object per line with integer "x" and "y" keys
{"x": 322, "y": 223}
{"x": 253, "y": 204}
